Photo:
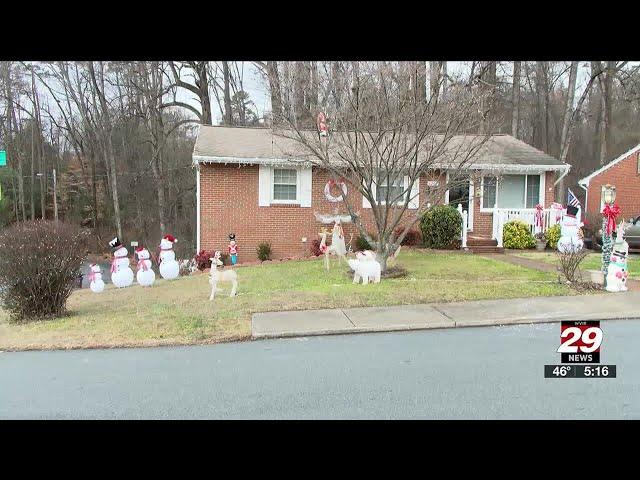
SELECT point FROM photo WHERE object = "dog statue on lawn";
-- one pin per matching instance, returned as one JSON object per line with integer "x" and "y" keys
{"x": 365, "y": 266}
{"x": 221, "y": 276}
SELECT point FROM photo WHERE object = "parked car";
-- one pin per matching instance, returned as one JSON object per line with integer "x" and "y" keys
{"x": 631, "y": 235}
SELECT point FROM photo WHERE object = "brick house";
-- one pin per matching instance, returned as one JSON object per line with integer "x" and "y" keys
{"x": 248, "y": 185}
{"x": 624, "y": 174}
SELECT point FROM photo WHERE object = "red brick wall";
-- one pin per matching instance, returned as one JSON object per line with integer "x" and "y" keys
{"x": 624, "y": 176}
{"x": 229, "y": 203}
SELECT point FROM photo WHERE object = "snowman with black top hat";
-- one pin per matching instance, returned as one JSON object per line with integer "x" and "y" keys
{"x": 570, "y": 234}
{"x": 121, "y": 273}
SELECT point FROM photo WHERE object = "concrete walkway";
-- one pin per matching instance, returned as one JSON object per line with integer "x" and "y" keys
{"x": 605, "y": 306}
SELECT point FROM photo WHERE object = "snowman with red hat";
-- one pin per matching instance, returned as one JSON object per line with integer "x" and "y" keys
{"x": 121, "y": 273}
{"x": 145, "y": 276}
{"x": 96, "y": 284}
{"x": 169, "y": 268}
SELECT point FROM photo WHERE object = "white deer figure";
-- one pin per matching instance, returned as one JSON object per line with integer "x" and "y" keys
{"x": 221, "y": 276}
{"x": 336, "y": 248}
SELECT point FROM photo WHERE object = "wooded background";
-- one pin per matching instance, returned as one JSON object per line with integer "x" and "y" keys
{"x": 120, "y": 134}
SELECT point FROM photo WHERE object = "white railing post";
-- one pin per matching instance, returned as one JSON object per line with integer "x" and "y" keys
{"x": 500, "y": 228}
{"x": 465, "y": 220}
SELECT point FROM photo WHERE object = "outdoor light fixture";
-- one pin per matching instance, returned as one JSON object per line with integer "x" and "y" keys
{"x": 609, "y": 194}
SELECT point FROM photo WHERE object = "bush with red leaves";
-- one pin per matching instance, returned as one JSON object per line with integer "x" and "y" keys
{"x": 315, "y": 248}
{"x": 413, "y": 237}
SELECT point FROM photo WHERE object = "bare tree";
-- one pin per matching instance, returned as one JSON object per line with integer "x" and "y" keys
{"x": 515, "y": 100}
{"x": 198, "y": 73}
{"x": 385, "y": 141}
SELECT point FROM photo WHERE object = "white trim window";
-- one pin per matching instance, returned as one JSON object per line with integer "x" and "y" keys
{"x": 395, "y": 190}
{"x": 512, "y": 191}
{"x": 284, "y": 185}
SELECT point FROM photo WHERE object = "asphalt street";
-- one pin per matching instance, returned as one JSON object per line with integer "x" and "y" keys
{"x": 466, "y": 373}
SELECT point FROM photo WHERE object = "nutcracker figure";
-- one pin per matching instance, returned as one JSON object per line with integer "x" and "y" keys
{"x": 233, "y": 248}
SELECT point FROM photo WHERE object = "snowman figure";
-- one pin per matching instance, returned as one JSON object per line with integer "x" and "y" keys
{"x": 121, "y": 273}
{"x": 618, "y": 271}
{"x": 95, "y": 277}
{"x": 169, "y": 268}
{"x": 570, "y": 238}
{"x": 145, "y": 275}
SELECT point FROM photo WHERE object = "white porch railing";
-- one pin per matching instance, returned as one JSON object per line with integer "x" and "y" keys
{"x": 527, "y": 215}
{"x": 465, "y": 226}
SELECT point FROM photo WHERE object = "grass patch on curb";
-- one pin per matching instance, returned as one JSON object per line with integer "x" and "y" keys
{"x": 178, "y": 312}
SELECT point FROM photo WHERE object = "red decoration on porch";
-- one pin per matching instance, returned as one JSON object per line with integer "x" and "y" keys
{"x": 611, "y": 212}
{"x": 322, "y": 124}
{"x": 539, "y": 216}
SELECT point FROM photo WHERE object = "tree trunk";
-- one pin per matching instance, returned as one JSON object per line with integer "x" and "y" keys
{"x": 313, "y": 90}
{"x": 276, "y": 92}
{"x": 228, "y": 120}
{"x": 300, "y": 85}
{"x": 421, "y": 81}
{"x": 541, "y": 95}
{"x": 434, "y": 78}
{"x": 203, "y": 87}
{"x": 515, "y": 100}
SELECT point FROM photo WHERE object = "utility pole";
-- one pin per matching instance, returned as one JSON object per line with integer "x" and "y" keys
{"x": 55, "y": 196}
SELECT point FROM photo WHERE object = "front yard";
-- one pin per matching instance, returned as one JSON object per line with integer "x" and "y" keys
{"x": 593, "y": 261}
{"x": 178, "y": 311}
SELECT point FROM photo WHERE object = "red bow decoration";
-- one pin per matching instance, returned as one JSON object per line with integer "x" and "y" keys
{"x": 611, "y": 212}
{"x": 539, "y": 215}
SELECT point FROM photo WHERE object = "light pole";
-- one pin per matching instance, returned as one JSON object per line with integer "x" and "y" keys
{"x": 608, "y": 197}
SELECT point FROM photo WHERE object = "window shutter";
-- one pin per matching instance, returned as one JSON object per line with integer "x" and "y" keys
{"x": 264, "y": 185}
{"x": 305, "y": 179}
{"x": 414, "y": 196}
{"x": 365, "y": 202}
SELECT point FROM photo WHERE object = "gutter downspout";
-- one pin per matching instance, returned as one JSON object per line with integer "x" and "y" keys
{"x": 586, "y": 196}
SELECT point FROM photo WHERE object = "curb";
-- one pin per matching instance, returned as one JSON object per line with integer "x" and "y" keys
{"x": 438, "y": 326}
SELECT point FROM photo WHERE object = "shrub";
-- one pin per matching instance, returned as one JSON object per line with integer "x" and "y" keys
{"x": 412, "y": 238}
{"x": 39, "y": 265}
{"x": 315, "y": 248}
{"x": 362, "y": 244}
{"x": 203, "y": 259}
{"x": 516, "y": 234}
{"x": 441, "y": 227}
{"x": 264, "y": 251}
{"x": 552, "y": 235}
{"x": 569, "y": 263}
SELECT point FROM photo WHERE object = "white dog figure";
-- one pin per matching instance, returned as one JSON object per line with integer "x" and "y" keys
{"x": 365, "y": 266}
{"x": 221, "y": 276}
{"x": 618, "y": 271}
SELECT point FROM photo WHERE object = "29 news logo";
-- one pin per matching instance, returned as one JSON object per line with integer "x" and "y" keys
{"x": 580, "y": 341}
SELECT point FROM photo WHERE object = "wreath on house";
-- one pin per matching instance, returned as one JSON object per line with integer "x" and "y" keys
{"x": 330, "y": 184}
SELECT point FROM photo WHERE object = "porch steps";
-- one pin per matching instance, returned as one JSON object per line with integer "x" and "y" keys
{"x": 483, "y": 245}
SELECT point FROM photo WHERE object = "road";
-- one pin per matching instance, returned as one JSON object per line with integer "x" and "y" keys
{"x": 466, "y": 373}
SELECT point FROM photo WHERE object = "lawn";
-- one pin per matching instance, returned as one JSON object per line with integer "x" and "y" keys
{"x": 592, "y": 262}
{"x": 178, "y": 311}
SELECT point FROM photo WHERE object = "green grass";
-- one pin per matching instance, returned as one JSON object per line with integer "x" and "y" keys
{"x": 592, "y": 262}
{"x": 178, "y": 311}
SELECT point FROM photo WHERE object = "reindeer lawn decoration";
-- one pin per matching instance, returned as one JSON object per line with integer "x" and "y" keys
{"x": 221, "y": 276}
{"x": 336, "y": 248}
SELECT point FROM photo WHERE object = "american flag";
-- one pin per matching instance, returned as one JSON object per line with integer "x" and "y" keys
{"x": 572, "y": 200}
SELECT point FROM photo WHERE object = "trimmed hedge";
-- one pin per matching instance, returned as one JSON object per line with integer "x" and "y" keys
{"x": 552, "y": 235}
{"x": 517, "y": 235}
{"x": 441, "y": 227}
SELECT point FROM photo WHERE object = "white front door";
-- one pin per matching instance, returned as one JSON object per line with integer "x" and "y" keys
{"x": 462, "y": 193}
